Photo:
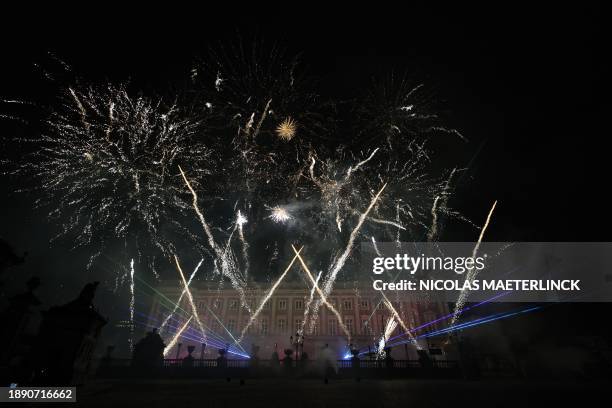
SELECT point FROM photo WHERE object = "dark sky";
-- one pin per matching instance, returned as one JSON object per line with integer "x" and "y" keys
{"x": 521, "y": 81}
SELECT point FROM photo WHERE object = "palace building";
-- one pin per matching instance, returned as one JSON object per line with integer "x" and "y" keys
{"x": 364, "y": 316}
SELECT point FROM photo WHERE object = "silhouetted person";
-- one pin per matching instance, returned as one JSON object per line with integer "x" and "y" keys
{"x": 189, "y": 359}
{"x": 149, "y": 351}
{"x": 222, "y": 359}
{"x": 18, "y": 332}
{"x": 67, "y": 339}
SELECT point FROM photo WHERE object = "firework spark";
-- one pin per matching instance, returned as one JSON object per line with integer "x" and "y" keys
{"x": 176, "y": 337}
{"x": 104, "y": 164}
{"x": 183, "y": 293}
{"x": 323, "y": 297}
{"x": 287, "y": 129}
{"x": 309, "y": 302}
{"x": 341, "y": 260}
{"x": 279, "y": 215}
{"x": 132, "y": 304}
{"x": 240, "y": 221}
{"x": 194, "y": 309}
{"x": 107, "y": 164}
{"x": 398, "y": 319}
{"x": 228, "y": 267}
{"x": 389, "y": 329}
{"x": 268, "y": 296}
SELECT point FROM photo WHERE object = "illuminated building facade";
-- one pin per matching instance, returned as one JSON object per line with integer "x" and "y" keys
{"x": 363, "y": 314}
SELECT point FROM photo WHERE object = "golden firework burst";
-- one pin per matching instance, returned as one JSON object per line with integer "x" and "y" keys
{"x": 286, "y": 129}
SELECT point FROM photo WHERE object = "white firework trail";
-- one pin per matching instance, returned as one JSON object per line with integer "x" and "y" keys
{"x": 471, "y": 273}
{"x": 240, "y": 221}
{"x": 178, "y": 302}
{"x": 439, "y": 203}
{"x": 331, "y": 188}
{"x": 263, "y": 117}
{"x": 132, "y": 304}
{"x": 341, "y": 260}
{"x": 387, "y": 222}
{"x": 331, "y": 279}
{"x": 434, "y": 220}
{"x": 227, "y": 264}
{"x": 375, "y": 245}
{"x": 398, "y": 318}
{"x": 323, "y": 297}
{"x": 194, "y": 309}
{"x": 351, "y": 169}
{"x": 176, "y": 337}
{"x": 309, "y": 302}
{"x": 389, "y": 329}
{"x": 267, "y": 298}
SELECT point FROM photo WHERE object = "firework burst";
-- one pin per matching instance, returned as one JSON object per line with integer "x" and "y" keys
{"x": 106, "y": 166}
{"x": 287, "y": 129}
{"x": 110, "y": 166}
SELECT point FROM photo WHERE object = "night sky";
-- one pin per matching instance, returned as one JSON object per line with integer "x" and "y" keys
{"x": 521, "y": 81}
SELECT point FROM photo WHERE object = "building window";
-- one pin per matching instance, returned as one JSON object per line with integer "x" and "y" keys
{"x": 267, "y": 305}
{"x": 299, "y": 304}
{"x": 365, "y": 327}
{"x": 250, "y": 303}
{"x": 364, "y": 303}
{"x": 282, "y": 304}
{"x": 218, "y": 304}
{"x": 233, "y": 304}
{"x": 332, "y": 327}
{"x": 201, "y": 305}
{"x": 231, "y": 325}
{"x": 296, "y": 325}
{"x": 413, "y": 319}
{"x": 348, "y": 322}
{"x": 264, "y": 326}
{"x": 429, "y": 316}
{"x": 348, "y": 304}
{"x": 282, "y": 326}
{"x": 245, "y": 321}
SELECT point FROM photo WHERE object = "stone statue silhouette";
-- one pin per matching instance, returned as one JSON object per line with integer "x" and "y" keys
{"x": 85, "y": 298}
